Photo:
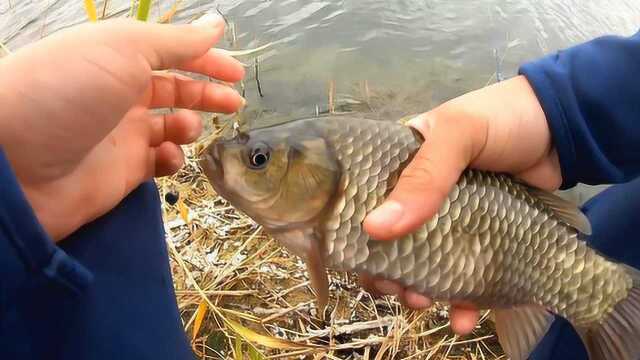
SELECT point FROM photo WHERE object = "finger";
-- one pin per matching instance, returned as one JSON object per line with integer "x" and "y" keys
{"x": 463, "y": 319}
{"x": 366, "y": 282}
{"x": 183, "y": 127}
{"x": 216, "y": 64}
{"x": 415, "y": 300}
{"x": 425, "y": 183}
{"x": 388, "y": 287}
{"x": 172, "y": 90}
{"x": 169, "y": 158}
{"x": 166, "y": 46}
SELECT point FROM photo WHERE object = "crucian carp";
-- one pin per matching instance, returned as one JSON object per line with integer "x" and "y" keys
{"x": 495, "y": 242}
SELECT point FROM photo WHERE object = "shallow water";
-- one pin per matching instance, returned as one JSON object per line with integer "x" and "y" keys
{"x": 413, "y": 54}
{"x": 432, "y": 49}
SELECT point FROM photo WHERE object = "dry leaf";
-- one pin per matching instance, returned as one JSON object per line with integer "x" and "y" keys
{"x": 184, "y": 211}
{"x": 202, "y": 311}
{"x": 264, "y": 340}
{"x": 90, "y": 8}
{"x": 166, "y": 17}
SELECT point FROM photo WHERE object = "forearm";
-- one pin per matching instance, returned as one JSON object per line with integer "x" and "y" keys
{"x": 590, "y": 94}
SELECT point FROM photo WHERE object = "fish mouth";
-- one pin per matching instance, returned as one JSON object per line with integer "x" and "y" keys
{"x": 211, "y": 164}
{"x": 211, "y": 160}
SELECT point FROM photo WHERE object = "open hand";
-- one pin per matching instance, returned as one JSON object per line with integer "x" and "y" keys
{"x": 76, "y": 125}
{"x": 500, "y": 128}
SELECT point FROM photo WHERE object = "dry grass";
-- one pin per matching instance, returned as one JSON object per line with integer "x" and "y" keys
{"x": 227, "y": 269}
{"x": 241, "y": 295}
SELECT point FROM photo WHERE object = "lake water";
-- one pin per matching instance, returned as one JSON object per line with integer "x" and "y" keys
{"x": 412, "y": 54}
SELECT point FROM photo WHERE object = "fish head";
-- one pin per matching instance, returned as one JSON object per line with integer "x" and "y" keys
{"x": 282, "y": 176}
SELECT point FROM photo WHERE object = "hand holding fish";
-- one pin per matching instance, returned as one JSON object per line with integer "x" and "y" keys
{"x": 500, "y": 128}
{"x": 361, "y": 195}
{"x": 79, "y": 149}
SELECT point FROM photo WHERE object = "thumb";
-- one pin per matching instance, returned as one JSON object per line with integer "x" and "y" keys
{"x": 426, "y": 182}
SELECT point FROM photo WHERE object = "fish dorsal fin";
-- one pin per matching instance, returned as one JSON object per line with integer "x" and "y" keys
{"x": 565, "y": 210}
{"x": 305, "y": 244}
{"x": 520, "y": 329}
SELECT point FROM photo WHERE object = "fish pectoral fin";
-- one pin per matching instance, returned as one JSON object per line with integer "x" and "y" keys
{"x": 319, "y": 279}
{"x": 565, "y": 210}
{"x": 520, "y": 329}
{"x": 305, "y": 244}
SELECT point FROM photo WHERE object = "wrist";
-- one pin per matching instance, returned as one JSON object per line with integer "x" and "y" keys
{"x": 58, "y": 214}
{"x": 503, "y": 126}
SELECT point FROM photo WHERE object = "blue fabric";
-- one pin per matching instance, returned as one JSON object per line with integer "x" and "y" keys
{"x": 590, "y": 94}
{"x": 104, "y": 293}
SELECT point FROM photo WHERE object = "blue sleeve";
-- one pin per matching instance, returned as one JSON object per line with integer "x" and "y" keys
{"x": 27, "y": 254}
{"x": 590, "y": 94}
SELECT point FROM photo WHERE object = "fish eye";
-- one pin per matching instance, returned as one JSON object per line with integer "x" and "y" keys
{"x": 259, "y": 156}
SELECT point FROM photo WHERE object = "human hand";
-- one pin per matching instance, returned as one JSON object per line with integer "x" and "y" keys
{"x": 499, "y": 128}
{"x": 76, "y": 125}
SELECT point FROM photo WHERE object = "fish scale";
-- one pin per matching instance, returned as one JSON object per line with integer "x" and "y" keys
{"x": 493, "y": 242}
{"x": 480, "y": 245}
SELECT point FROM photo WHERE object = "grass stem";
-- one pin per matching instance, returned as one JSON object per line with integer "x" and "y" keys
{"x": 143, "y": 10}
{"x": 258, "y": 79}
{"x": 104, "y": 8}
{"x": 90, "y": 8}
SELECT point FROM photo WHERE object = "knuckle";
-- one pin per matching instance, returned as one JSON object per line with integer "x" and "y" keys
{"x": 420, "y": 171}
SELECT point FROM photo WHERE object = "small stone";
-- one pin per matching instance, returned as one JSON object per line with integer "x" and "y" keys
{"x": 171, "y": 197}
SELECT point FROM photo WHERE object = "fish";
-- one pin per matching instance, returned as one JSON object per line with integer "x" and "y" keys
{"x": 495, "y": 242}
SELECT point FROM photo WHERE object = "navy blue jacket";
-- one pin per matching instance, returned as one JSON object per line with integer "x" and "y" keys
{"x": 590, "y": 94}
{"x": 106, "y": 291}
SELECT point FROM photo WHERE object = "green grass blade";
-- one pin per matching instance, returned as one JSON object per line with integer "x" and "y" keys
{"x": 132, "y": 8}
{"x": 143, "y": 10}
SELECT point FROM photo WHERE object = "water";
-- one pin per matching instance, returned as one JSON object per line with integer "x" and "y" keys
{"x": 413, "y": 54}
{"x": 429, "y": 50}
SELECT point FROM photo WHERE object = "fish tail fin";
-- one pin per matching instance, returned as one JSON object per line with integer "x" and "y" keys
{"x": 618, "y": 336}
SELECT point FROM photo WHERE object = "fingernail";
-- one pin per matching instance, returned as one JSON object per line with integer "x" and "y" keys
{"x": 243, "y": 102}
{"x": 386, "y": 215}
{"x": 413, "y": 121}
{"x": 209, "y": 19}
{"x": 423, "y": 123}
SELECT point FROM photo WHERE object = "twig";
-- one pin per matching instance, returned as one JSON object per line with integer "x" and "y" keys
{"x": 221, "y": 14}
{"x": 104, "y": 9}
{"x": 355, "y": 327}
{"x": 291, "y": 355}
{"x": 282, "y": 312}
{"x": 217, "y": 292}
{"x": 332, "y": 90}
{"x": 257, "y": 79}
{"x": 233, "y": 34}
{"x": 236, "y": 53}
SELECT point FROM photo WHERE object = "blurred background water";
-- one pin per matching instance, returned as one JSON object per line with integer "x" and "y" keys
{"x": 414, "y": 54}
